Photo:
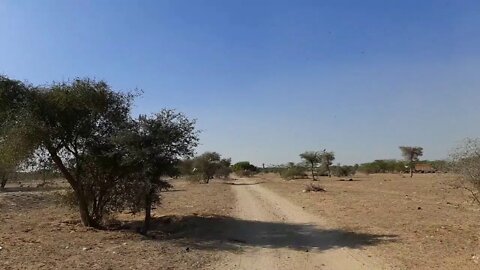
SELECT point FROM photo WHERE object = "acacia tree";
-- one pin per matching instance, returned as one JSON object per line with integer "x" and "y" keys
{"x": 312, "y": 158}
{"x": 327, "y": 159}
{"x": 411, "y": 155}
{"x": 153, "y": 148}
{"x": 73, "y": 123}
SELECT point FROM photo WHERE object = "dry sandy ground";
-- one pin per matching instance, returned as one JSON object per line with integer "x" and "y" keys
{"x": 277, "y": 234}
{"x": 377, "y": 222}
{"x": 432, "y": 223}
{"x": 38, "y": 233}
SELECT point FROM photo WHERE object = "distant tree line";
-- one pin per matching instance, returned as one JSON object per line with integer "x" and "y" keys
{"x": 319, "y": 163}
{"x": 210, "y": 165}
{"x": 400, "y": 166}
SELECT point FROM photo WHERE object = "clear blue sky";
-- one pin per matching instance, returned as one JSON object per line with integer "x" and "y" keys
{"x": 268, "y": 80}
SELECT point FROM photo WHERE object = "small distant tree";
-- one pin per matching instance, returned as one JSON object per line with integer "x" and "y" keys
{"x": 327, "y": 159}
{"x": 206, "y": 165}
{"x": 244, "y": 168}
{"x": 466, "y": 162}
{"x": 312, "y": 158}
{"x": 411, "y": 155}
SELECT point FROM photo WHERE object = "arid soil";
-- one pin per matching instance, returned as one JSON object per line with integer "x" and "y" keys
{"x": 380, "y": 221}
{"x": 433, "y": 223}
{"x": 38, "y": 233}
{"x": 277, "y": 234}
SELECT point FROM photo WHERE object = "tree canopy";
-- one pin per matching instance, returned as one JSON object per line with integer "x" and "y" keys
{"x": 312, "y": 158}
{"x": 327, "y": 159}
{"x": 411, "y": 155}
{"x": 85, "y": 128}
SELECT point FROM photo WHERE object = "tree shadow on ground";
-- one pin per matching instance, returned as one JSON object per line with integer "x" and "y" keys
{"x": 13, "y": 189}
{"x": 242, "y": 184}
{"x": 174, "y": 190}
{"x": 348, "y": 180}
{"x": 227, "y": 233}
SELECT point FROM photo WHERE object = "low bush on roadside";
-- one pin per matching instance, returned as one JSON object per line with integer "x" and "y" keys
{"x": 293, "y": 172}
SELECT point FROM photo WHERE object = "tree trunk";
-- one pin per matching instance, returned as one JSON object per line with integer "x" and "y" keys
{"x": 313, "y": 174}
{"x": 148, "y": 213}
{"x": 411, "y": 171}
{"x": 3, "y": 182}
{"x": 328, "y": 170}
{"x": 85, "y": 216}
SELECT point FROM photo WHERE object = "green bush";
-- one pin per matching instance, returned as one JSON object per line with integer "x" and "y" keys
{"x": 342, "y": 171}
{"x": 383, "y": 166}
{"x": 293, "y": 172}
{"x": 244, "y": 169}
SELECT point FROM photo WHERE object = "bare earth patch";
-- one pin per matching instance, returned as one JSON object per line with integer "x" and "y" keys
{"x": 37, "y": 233}
{"x": 436, "y": 224}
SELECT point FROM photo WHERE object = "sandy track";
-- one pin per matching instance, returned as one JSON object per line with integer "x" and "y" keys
{"x": 281, "y": 235}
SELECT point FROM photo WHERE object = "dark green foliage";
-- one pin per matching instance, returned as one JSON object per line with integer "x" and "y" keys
{"x": 244, "y": 169}
{"x": 73, "y": 124}
{"x": 383, "y": 166}
{"x": 411, "y": 155}
{"x": 244, "y": 166}
{"x": 206, "y": 165}
{"x": 185, "y": 167}
{"x": 83, "y": 127}
{"x": 224, "y": 168}
{"x": 14, "y": 100}
{"x": 3, "y": 178}
{"x": 151, "y": 150}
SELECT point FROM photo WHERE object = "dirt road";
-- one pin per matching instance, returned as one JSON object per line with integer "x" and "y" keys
{"x": 276, "y": 234}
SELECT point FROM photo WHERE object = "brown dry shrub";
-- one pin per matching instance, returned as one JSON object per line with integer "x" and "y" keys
{"x": 313, "y": 188}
